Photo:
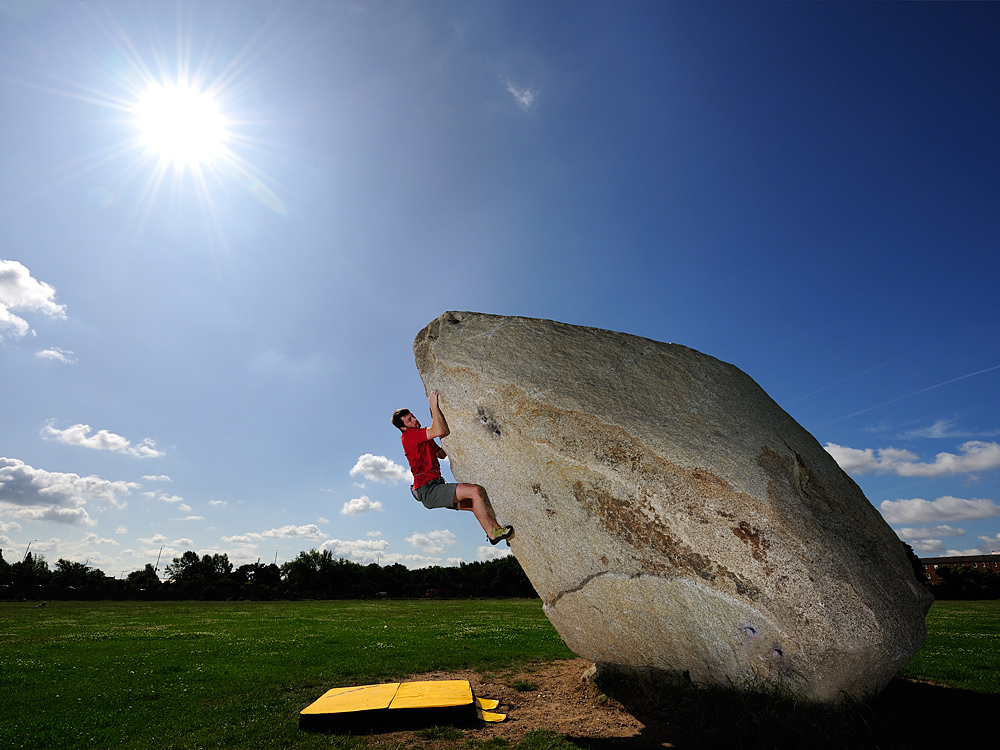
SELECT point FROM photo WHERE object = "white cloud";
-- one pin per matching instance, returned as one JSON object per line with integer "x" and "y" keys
{"x": 374, "y": 533}
{"x": 21, "y": 293}
{"x": 485, "y": 553}
{"x": 433, "y": 542}
{"x": 92, "y": 538}
{"x": 381, "y": 469}
{"x": 945, "y": 508}
{"x": 59, "y": 355}
{"x": 79, "y": 435}
{"x": 217, "y": 503}
{"x": 359, "y": 505}
{"x": 932, "y": 547}
{"x": 360, "y": 550}
{"x": 156, "y": 478}
{"x": 9, "y": 526}
{"x": 990, "y": 543}
{"x": 525, "y": 97}
{"x": 929, "y": 532}
{"x": 422, "y": 561}
{"x": 171, "y": 499}
{"x": 975, "y": 455}
{"x": 962, "y": 552}
{"x": 250, "y": 538}
{"x": 121, "y": 530}
{"x": 306, "y": 531}
{"x": 40, "y": 495}
{"x": 189, "y": 518}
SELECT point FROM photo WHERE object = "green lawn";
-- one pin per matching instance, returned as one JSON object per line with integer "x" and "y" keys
{"x": 231, "y": 674}
{"x": 962, "y": 648}
{"x": 235, "y": 674}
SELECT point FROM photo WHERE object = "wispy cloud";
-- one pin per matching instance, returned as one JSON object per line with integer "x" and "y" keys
{"x": 381, "y": 469}
{"x": 58, "y": 354}
{"x": 525, "y": 97}
{"x": 922, "y": 390}
{"x": 975, "y": 455}
{"x": 945, "y": 508}
{"x": 102, "y": 440}
{"x": 944, "y": 428}
{"x": 21, "y": 293}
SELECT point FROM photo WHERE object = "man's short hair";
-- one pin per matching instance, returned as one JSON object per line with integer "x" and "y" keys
{"x": 397, "y": 417}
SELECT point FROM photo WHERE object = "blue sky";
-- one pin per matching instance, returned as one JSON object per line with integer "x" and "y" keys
{"x": 203, "y": 351}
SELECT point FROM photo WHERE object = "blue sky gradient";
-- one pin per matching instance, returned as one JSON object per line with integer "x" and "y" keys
{"x": 198, "y": 357}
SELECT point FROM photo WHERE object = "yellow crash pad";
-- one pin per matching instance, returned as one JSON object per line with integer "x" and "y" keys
{"x": 393, "y": 704}
{"x": 356, "y": 698}
{"x": 432, "y": 694}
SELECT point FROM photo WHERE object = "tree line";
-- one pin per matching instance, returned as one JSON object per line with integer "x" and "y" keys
{"x": 311, "y": 575}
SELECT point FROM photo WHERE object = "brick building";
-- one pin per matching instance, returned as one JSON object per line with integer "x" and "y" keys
{"x": 980, "y": 562}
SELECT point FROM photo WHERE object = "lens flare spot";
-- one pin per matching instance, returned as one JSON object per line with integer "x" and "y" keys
{"x": 265, "y": 195}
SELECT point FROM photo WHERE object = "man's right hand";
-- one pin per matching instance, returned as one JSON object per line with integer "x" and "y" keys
{"x": 439, "y": 426}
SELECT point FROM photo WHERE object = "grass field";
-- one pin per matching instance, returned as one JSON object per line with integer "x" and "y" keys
{"x": 235, "y": 674}
{"x": 231, "y": 674}
{"x": 962, "y": 648}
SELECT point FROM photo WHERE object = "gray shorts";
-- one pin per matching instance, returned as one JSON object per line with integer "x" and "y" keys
{"x": 436, "y": 494}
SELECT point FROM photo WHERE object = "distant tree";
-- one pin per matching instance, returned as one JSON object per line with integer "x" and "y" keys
{"x": 257, "y": 581}
{"x": 145, "y": 578}
{"x": 189, "y": 568}
{"x": 963, "y": 582}
{"x": 4, "y": 570}
{"x": 70, "y": 574}
{"x": 310, "y": 574}
{"x": 31, "y": 575}
{"x": 206, "y": 577}
{"x": 918, "y": 567}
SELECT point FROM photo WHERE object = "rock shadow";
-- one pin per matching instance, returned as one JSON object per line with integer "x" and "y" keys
{"x": 906, "y": 714}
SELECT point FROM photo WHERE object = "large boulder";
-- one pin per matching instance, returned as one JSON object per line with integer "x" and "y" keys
{"x": 672, "y": 517}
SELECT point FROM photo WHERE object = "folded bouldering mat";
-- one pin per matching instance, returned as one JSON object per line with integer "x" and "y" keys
{"x": 397, "y": 705}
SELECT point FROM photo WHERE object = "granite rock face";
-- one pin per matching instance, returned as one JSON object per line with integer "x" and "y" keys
{"x": 672, "y": 517}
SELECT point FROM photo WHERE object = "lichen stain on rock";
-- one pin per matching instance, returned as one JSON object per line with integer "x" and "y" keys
{"x": 752, "y": 536}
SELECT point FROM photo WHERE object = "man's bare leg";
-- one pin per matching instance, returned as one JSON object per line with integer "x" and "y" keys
{"x": 473, "y": 497}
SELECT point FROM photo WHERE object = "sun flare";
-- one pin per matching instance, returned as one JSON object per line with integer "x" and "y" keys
{"x": 180, "y": 125}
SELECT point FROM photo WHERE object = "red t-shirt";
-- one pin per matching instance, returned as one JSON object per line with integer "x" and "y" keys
{"x": 422, "y": 455}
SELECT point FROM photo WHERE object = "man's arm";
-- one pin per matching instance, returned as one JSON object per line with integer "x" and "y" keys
{"x": 439, "y": 426}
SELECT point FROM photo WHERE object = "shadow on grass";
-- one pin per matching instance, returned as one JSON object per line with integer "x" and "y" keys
{"x": 906, "y": 715}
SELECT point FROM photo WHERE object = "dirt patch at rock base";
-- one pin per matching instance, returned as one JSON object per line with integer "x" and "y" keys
{"x": 552, "y": 696}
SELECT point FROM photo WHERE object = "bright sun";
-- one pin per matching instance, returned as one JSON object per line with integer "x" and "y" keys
{"x": 181, "y": 125}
